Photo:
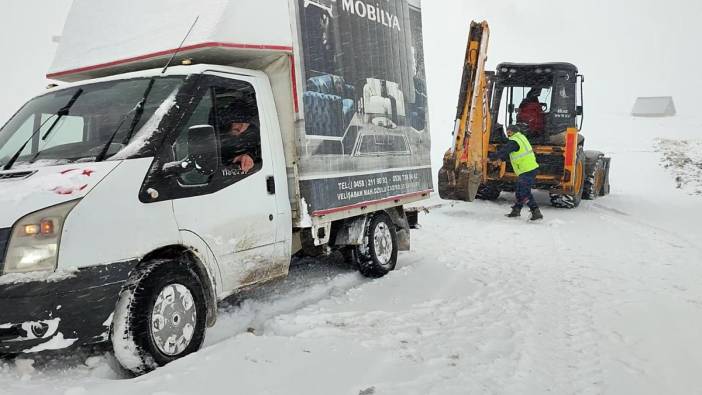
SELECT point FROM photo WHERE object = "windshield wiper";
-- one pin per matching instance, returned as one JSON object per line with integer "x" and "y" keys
{"x": 138, "y": 112}
{"x": 60, "y": 114}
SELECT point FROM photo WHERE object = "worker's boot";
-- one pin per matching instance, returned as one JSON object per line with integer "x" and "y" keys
{"x": 516, "y": 212}
{"x": 536, "y": 214}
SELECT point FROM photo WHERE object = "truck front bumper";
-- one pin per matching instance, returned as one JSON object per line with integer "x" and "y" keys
{"x": 57, "y": 314}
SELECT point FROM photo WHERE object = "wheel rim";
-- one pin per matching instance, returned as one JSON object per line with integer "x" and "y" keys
{"x": 382, "y": 243}
{"x": 173, "y": 319}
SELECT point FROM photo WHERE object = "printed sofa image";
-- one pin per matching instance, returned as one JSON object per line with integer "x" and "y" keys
{"x": 330, "y": 105}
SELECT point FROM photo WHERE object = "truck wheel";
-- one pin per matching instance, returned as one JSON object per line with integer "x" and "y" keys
{"x": 378, "y": 256}
{"x": 573, "y": 200}
{"x": 488, "y": 192}
{"x": 594, "y": 181}
{"x": 160, "y": 316}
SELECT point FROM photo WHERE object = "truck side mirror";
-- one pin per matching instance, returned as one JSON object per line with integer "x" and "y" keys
{"x": 202, "y": 146}
{"x": 511, "y": 108}
{"x": 579, "y": 110}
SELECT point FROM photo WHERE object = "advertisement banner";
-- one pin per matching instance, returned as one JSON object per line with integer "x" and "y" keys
{"x": 366, "y": 133}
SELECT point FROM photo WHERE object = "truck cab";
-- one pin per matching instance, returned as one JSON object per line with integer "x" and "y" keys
{"x": 136, "y": 167}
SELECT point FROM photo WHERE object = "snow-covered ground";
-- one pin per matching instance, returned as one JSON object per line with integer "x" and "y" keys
{"x": 606, "y": 298}
{"x": 684, "y": 159}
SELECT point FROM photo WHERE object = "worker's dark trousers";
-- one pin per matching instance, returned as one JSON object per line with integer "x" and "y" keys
{"x": 524, "y": 184}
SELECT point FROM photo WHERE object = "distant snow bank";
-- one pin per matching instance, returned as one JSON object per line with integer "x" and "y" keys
{"x": 683, "y": 158}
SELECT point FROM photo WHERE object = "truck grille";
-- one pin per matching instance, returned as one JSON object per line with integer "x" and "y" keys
{"x": 4, "y": 240}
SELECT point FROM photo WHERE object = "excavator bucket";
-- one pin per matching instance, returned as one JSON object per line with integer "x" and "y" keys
{"x": 464, "y": 165}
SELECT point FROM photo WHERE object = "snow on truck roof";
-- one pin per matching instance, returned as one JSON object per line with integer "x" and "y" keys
{"x": 104, "y": 37}
{"x": 157, "y": 72}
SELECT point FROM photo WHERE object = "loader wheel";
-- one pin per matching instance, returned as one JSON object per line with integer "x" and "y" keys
{"x": 570, "y": 201}
{"x": 594, "y": 181}
{"x": 378, "y": 255}
{"x": 488, "y": 192}
{"x": 160, "y": 316}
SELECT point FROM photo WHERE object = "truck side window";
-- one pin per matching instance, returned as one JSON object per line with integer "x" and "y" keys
{"x": 202, "y": 115}
{"x": 238, "y": 127}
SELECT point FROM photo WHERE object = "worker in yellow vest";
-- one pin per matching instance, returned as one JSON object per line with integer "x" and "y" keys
{"x": 523, "y": 160}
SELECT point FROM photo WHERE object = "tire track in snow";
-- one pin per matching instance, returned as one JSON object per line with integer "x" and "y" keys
{"x": 671, "y": 238}
{"x": 309, "y": 282}
{"x": 577, "y": 287}
{"x": 560, "y": 344}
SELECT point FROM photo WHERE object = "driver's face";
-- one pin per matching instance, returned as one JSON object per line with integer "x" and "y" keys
{"x": 237, "y": 128}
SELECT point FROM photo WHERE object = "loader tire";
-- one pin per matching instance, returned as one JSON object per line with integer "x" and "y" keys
{"x": 570, "y": 201}
{"x": 161, "y": 316}
{"x": 594, "y": 181}
{"x": 378, "y": 254}
{"x": 488, "y": 192}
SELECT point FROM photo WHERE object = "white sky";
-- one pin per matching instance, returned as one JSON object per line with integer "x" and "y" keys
{"x": 625, "y": 48}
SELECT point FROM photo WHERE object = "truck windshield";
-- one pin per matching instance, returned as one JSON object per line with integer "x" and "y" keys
{"x": 80, "y": 135}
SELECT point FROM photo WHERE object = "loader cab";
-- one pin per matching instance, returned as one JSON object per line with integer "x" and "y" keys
{"x": 545, "y": 96}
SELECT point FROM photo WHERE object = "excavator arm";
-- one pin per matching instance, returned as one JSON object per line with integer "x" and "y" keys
{"x": 465, "y": 163}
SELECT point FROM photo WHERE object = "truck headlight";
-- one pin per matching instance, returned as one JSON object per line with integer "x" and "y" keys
{"x": 34, "y": 241}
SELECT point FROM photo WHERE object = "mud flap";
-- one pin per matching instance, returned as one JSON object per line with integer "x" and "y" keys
{"x": 399, "y": 218}
{"x": 412, "y": 215}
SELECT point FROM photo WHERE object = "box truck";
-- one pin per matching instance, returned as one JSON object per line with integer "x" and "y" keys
{"x": 166, "y": 171}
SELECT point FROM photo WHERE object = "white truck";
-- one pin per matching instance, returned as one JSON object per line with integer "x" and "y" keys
{"x": 136, "y": 196}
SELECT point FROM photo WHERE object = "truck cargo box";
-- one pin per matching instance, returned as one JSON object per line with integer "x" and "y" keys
{"x": 348, "y": 78}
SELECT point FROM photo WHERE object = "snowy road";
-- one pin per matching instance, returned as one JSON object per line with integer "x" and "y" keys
{"x": 603, "y": 299}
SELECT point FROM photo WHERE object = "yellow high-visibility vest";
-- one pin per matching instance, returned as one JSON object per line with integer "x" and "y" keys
{"x": 524, "y": 160}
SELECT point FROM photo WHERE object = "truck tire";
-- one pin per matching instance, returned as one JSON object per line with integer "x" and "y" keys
{"x": 378, "y": 256}
{"x": 488, "y": 192}
{"x": 571, "y": 201}
{"x": 594, "y": 181}
{"x": 161, "y": 316}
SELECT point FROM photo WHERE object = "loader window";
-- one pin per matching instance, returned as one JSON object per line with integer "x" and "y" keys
{"x": 527, "y": 104}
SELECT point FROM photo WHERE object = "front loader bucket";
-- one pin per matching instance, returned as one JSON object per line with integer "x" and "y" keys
{"x": 461, "y": 184}
{"x": 447, "y": 184}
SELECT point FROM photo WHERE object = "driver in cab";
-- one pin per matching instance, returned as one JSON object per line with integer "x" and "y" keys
{"x": 241, "y": 140}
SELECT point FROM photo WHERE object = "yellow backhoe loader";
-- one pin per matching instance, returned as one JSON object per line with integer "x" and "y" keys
{"x": 547, "y": 97}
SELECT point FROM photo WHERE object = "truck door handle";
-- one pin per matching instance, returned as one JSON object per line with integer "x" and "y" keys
{"x": 270, "y": 185}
